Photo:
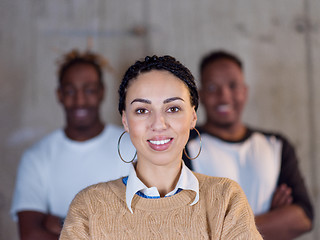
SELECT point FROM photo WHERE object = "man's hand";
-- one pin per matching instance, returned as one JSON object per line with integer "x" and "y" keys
{"x": 281, "y": 197}
{"x": 35, "y": 225}
{"x": 53, "y": 224}
{"x": 284, "y": 219}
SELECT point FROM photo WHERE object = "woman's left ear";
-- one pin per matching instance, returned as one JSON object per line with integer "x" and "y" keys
{"x": 194, "y": 119}
{"x": 124, "y": 121}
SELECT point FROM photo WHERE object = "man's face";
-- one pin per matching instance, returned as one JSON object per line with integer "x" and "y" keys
{"x": 223, "y": 93}
{"x": 81, "y": 95}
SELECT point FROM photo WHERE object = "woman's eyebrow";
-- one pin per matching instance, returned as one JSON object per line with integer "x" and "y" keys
{"x": 142, "y": 100}
{"x": 172, "y": 99}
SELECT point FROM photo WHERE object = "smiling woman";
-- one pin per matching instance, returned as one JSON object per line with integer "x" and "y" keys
{"x": 160, "y": 198}
{"x": 158, "y": 117}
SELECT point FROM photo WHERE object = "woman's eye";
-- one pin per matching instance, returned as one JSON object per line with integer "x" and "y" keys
{"x": 173, "y": 109}
{"x": 141, "y": 111}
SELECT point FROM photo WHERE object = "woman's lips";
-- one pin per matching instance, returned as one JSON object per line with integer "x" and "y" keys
{"x": 161, "y": 144}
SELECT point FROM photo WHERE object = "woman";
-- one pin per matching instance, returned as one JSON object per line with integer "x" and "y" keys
{"x": 161, "y": 198}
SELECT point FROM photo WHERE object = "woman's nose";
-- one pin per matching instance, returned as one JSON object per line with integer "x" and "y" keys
{"x": 158, "y": 122}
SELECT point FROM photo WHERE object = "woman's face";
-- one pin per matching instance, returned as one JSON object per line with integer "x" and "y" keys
{"x": 158, "y": 116}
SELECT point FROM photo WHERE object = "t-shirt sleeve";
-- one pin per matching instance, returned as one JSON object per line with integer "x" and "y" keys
{"x": 30, "y": 190}
{"x": 290, "y": 174}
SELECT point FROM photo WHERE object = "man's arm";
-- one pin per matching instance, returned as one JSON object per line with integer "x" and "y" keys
{"x": 29, "y": 204}
{"x": 284, "y": 220}
{"x": 291, "y": 211}
{"x": 38, "y": 226}
{"x": 283, "y": 223}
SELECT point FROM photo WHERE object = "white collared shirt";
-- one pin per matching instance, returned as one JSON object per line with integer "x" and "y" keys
{"x": 187, "y": 181}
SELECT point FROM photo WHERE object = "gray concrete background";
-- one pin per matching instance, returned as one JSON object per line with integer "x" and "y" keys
{"x": 279, "y": 42}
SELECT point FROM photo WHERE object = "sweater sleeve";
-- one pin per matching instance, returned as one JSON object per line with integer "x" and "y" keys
{"x": 239, "y": 219}
{"x": 76, "y": 225}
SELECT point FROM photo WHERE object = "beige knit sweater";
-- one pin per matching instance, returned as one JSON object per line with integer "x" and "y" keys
{"x": 100, "y": 212}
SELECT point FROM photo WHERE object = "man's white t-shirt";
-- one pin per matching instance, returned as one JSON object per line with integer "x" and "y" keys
{"x": 56, "y": 168}
{"x": 253, "y": 163}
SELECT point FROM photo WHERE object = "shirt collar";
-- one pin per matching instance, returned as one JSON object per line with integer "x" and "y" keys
{"x": 187, "y": 181}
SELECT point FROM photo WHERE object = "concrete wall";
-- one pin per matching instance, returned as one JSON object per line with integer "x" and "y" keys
{"x": 279, "y": 42}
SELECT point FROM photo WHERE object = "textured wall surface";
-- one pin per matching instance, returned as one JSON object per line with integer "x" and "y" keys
{"x": 279, "y": 42}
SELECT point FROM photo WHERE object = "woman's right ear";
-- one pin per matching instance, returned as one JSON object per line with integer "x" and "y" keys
{"x": 124, "y": 121}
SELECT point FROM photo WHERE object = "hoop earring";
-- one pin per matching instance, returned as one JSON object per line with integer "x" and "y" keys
{"x": 120, "y": 153}
{"x": 184, "y": 150}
